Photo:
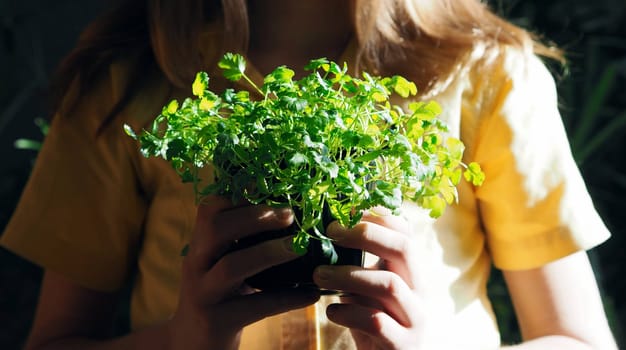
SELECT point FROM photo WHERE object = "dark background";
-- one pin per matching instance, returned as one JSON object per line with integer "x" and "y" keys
{"x": 35, "y": 34}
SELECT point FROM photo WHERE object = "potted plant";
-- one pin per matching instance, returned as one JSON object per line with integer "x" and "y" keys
{"x": 328, "y": 145}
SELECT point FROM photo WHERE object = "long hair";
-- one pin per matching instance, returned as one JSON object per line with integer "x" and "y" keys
{"x": 431, "y": 34}
{"x": 425, "y": 39}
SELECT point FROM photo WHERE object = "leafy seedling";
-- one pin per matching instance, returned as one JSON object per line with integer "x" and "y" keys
{"x": 327, "y": 140}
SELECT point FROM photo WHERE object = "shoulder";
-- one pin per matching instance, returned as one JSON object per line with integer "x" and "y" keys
{"x": 140, "y": 88}
{"x": 509, "y": 82}
{"x": 486, "y": 74}
{"x": 128, "y": 90}
{"x": 504, "y": 70}
{"x": 91, "y": 135}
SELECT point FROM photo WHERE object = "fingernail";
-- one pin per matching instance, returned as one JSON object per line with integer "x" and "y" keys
{"x": 335, "y": 231}
{"x": 283, "y": 213}
{"x": 323, "y": 272}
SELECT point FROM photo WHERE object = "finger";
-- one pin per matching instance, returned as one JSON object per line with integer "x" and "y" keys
{"x": 384, "y": 217}
{"x": 376, "y": 239}
{"x": 248, "y": 220}
{"x": 245, "y": 310}
{"x": 390, "y": 245}
{"x": 385, "y": 287}
{"x": 240, "y": 222}
{"x": 361, "y": 300}
{"x": 205, "y": 217}
{"x": 233, "y": 268}
{"x": 375, "y": 323}
{"x": 235, "y": 222}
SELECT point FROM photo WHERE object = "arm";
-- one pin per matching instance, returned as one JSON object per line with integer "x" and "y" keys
{"x": 558, "y": 306}
{"x": 72, "y": 317}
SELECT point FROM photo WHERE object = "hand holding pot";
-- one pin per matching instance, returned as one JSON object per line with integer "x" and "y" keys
{"x": 383, "y": 309}
{"x": 214, "y": 303}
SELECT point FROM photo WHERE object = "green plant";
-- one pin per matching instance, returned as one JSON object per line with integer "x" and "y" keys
{"x": 30, "y": 144}
{"x": 593, "y": 130}
{"x": 326, "y": 140}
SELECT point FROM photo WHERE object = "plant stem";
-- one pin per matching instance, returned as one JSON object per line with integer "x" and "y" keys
{"x": 252, "y": 83}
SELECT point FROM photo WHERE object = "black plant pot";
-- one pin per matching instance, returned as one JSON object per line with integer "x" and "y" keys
{"x": 297, "y": 273}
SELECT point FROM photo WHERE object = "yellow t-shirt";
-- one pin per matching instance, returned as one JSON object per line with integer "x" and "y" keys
{"x": 98, "y": 212}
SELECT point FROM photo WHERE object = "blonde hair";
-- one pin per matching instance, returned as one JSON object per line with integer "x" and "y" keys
{"x": 419, "y": 39}
{"x": 424, "y": 39}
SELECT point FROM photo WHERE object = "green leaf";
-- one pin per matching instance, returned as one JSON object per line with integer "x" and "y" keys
{"x": 474, "y": 174}
{"x": 206, "y": 104}
{"x": 233, "y": 65}
{"x": 171, "y": 108}
{"x": 27, "y": 144}
{"x": 43, "y": 125}
{"x": 187, "y": 176}
{"x": 318, "y": 190}
{"x": 200, "y": 83}
{"x": 368, "y": 157}
{"x": 316, "y": 64}
{"x": 436, "y": 204}
{"x": 379, "y": 97}
{"x": 341, "y": 212}
{"x": 175, "y": 148}
{"x": 281, "y": 74}
{"x": 455, "y": 148}
{"x": 329, "y": 167}
{"x": 449, "y": 193}
{"x": 129, "y": 131}
{"x": 298, "y": 159}
{"x": 387, "y": 194}
{"x": 425, "y": 110}
{"x": 403, "y": 87}
{"x": 455, "y": 176}
{"x": 433, "y": 108}
{"x": 300, "y": 243}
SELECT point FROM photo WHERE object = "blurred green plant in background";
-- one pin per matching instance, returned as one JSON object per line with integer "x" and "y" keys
{"x": 34, "y": 34}
{"x": 30, "y": 144}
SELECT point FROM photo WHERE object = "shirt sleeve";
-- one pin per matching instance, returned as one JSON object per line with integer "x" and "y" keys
{"x": 534, "y": 204}
{"x": 81, "y": 211}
